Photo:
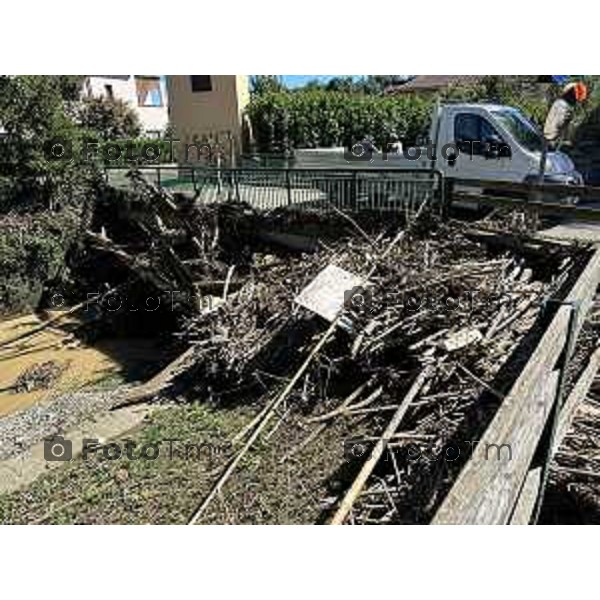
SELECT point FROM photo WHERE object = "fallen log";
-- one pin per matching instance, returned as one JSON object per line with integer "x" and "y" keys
{"x": 160, "y": 382}
{"x": 134, "y": 263}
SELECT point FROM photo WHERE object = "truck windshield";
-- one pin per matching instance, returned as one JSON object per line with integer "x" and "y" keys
{"x": 523, "y": 130}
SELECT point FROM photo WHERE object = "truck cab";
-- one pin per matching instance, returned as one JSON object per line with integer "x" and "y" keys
{"x": 495, "y": 142}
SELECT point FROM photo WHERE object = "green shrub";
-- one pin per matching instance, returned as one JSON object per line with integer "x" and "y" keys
{"x": 32, "y": 253}
{"x": 282, "y": 121}
{"x": 109, "y": 118}
{"x": 521, "y": 93}
{"x": 35, "y": 111}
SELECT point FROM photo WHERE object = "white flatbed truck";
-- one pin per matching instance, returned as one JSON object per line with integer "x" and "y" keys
{"x": 483, "y": 142}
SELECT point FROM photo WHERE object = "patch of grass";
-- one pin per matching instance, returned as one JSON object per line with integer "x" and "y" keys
{"x": 111, "y": 381}
{"x": 168, "y": 489}
{"x": 164, "y": 490}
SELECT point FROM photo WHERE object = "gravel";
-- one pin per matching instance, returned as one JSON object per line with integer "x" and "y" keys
{"x": 58, "y": 413}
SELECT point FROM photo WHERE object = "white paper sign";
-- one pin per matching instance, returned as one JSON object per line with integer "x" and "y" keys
{"x": 324, "y": 295}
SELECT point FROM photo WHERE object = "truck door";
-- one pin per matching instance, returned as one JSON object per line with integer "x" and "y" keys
{"x": 482, "y": 151}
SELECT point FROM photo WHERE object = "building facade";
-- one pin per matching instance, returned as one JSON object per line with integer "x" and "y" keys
{"x": 146, "y": 94}
{"x": 209, "y": 108}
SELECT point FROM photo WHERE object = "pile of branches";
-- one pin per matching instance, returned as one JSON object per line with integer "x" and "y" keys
{"x": 149, "y": 243}
{"x": 254, "y": 337}
{"x": 461, "y": 301}
{"x": 474, "y": 350}
{"x": 429, "y": 297}
{"x": 440, "y": 299}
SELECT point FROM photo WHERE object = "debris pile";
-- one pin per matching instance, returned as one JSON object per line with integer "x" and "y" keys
{"x": 39, "y": 377}
{"x": 430, "y": 297}
{"x": 443, "y": 303}
{"x": 167, "y": 243}
{"x": 440, "y": 300}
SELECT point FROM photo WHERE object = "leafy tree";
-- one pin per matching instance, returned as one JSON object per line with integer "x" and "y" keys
{"x": 312, "y": 84}
{"x": 377, "y": 84}
{"x": 35, "y": 111}
{"x": 110, "y": 119}
{"x": 264, "y": 84}
{"x": 37, "y": 114}
{"x": 341, "y": 84}
{"x": 369, "y": 84}
{"x": 523, "y": 92}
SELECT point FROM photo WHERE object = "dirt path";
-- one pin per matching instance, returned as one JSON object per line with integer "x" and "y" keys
{"x": 80, "y": 364}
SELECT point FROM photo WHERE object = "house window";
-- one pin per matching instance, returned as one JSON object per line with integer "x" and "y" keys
{"x": 474, "y": 135}
{"x": 148, "y": 91}
{"x": 201, "y": 83}
{"x": 108, "y": 89}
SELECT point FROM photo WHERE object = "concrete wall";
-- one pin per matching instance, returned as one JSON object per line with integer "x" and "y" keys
{"x": 152, "y": 118}
{"x": 202, "y": 115}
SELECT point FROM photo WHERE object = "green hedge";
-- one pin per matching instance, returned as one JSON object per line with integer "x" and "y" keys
{"x": 282, "y": 121}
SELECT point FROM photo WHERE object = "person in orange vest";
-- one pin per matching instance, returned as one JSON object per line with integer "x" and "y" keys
{"x": 561, "y": 111}
{"x": 559, "y": 117}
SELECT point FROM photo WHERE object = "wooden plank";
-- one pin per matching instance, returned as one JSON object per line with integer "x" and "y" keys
{"x": 531, "y": 488}
{"x": 486, "y": 490}
{"x": 488, "y": 486}
{"x": 569, "y": 230}
{"x": 584, "y": 290}
{"x": 527, "y": 498}
{"x": 555, "y": 208}
{"x": 575, "y": 398}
